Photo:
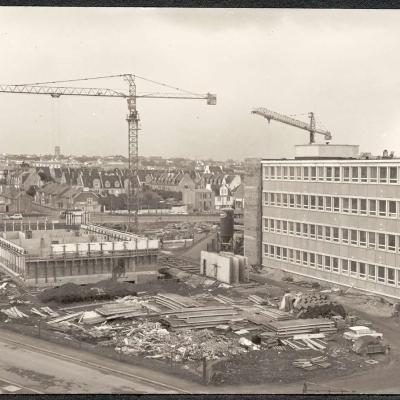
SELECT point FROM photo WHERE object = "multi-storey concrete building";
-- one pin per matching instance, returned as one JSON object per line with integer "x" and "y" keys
{"x": 330, "y": 215}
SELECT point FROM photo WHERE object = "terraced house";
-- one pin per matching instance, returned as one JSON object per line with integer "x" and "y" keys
{"x": 332, "y": 215}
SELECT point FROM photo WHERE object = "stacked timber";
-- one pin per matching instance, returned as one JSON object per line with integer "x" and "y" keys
{"x": 300, "y": 326}
{"x": 200, "y": 317}
{"x": 259, "y": 300}
{"x": 121, "y": 310}
{"x": 274, "y": 314}
{"x": 174, "y": 301}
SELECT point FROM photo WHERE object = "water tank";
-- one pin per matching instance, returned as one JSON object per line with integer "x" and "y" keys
{"x": 226, "y": 225}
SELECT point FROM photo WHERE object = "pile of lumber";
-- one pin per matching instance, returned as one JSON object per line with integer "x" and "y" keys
{"x": 174, "y": 301}
{"x": 200, "y": 317}
{"x": 302, "y": 326}
{"x": 258, "y": 300}
{"x": 224, "y": 299}
{"x": 274, "y": 314}
{"x": 14, "y": 313}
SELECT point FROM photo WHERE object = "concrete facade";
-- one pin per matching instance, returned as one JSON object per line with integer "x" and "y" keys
{"x": 334, "y": 220}
{"x": 85, "y": 255}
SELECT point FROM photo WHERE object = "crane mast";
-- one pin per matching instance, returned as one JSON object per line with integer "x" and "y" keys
{"x": 43, "y": 88}
{"x": 310, "y": 127}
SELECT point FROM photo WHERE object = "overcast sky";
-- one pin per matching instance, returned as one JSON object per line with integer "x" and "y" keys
{"x": 342, "y": 64}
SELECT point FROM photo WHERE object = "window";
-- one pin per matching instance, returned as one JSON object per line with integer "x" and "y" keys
{"x": 393, "y": 174}
{"x": 305, "y": 258}
{"x": 272, "y": 173}
{"x": 361, "y": 267}
{"x": 336, "y": 173}
{"x": 305, "y": 230}
{"x": 328, "y": 203}
{"x": 391, "y": 276}
{"x": 328, "y": 173}
{"x": 284, "y": 226}
{"x": 284, "y": 253}
{"x": 272, "y": 199}
{"x": 272, "y": 251}
{"x": 382, "y": 208}
{"x": 291, "y": 200}
{"x": 278, "y": 172}
{"x": 278, "y": 226}
{"x": 266, "y": 172}
{"x": 345, "y": 235}
{"x": 285, "y": 173}
{"x": 335, "y": 234}
{"x": 278, "y": 199}
{"x": 313, "y": 173}
{"x": 305, "y": 201}
{"x": 354, "y": 174}
{"x": 363, "y": 238}
{"x": 298, "y": 173}
{"x": 353, "y": 268}
{"x": 319, "y": 261}
{"x": 371, "y": 240}
{"x": 381, "y": 274}
{"x": 353, "y": 237}
{"x": 382, "y": 174}
{"x": 346, "y": 174}
{"x": 313, "y": 202}
{"x": 266, "y": 202}
{"x": 363, "y": 173}
{"x": 284, "y": 199}
{"x": 328, "y": 233}
{"x": 345, "y": 204}
{"x": 363, "y": 206}
{"x": 372, "y": 207}
{"x": 266, "y": 229}
{"x": 272, "y": 225}
{"x": 320, "y": 232}
{"x": 312, "y": 231}
{"x": 335, "y": 264}
{"x": 392, "y": 208}
{"x": 320, "y": 173}
{"x": 298, "y": 257}
{"x": 371, "y": 272}
{"x": 391, "y": 242}
{"x": 373, "y": 174}
{"x": 291, "y": 173}
{"x": 305, "y": 173}
{"x": 336, "y": 204}
{"x": 298, "y": 200}
{"x": 278, "y": 253}
{"x": 321, "y": 203}
{"x": 354, "y": 208}
{"x": 312, "y": 260}
{"x": 298, "y": 229}
{"x": 266, "y": 253}
{"x": 381, "y": 241}
{"x": 327, "y": 264}
{"x": 291, "y": 255}
{"x": 345, "y": 267}
{"x": 291, "y": 228}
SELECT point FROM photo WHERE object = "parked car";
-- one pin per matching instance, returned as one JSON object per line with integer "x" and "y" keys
{"x": 356, "y": 332}
{"x": 16, "y": 216}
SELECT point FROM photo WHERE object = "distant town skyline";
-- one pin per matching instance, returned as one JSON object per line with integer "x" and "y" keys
{"x": 340, "y": 64}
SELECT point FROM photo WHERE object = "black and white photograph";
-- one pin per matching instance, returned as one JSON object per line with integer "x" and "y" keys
{"x": 199, "y": 201}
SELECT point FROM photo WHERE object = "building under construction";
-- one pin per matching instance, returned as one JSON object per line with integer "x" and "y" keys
{"x": 82, "y": 255}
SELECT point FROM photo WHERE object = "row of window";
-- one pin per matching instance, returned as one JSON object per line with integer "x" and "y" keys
{"x": 354, "y": 237}
{"x": 345, "y": 205}
{"x": 353, "y": 174}
{"x": 356, "y": 269}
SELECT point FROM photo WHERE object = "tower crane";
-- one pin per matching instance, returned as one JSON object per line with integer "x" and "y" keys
{"x": 310, "y": 127}
{"x": 131, "y": 96}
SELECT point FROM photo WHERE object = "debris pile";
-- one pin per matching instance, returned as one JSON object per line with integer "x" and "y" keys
{"x": 311, "y": 305}
{"x": 310, "y": 364}
{"x": 14, "y": 313}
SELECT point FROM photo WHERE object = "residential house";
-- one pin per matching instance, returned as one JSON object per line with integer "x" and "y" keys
{"x": 198, "y": 199}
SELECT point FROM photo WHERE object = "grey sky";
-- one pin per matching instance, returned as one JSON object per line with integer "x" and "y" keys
{"x": 343, "y": 65}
